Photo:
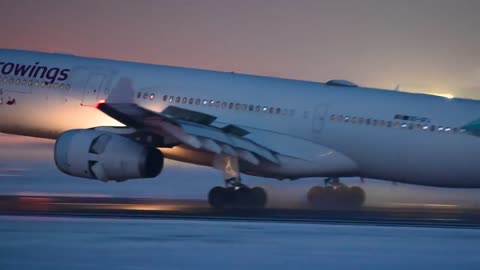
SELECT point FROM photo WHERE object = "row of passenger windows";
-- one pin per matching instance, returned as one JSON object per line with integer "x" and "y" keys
{"x": 395, "y": 124}
{"x": 34, "y": 83}
{"x": 291, "y": 112}
{"x": 219, "y": 104}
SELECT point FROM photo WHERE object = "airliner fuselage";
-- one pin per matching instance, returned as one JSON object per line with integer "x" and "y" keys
{"x": 315, "y": 129}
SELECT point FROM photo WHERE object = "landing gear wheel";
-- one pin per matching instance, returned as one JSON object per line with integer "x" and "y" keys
{"x": 237, "y": 197}
{"x": 259, "y": 197}
{"x": 242, "y": 197}
{"x": 357, "y": 196}
{"x": 217, "y": 197}
{"x": 337, "y": 196}
{"x": 314, "y": 195}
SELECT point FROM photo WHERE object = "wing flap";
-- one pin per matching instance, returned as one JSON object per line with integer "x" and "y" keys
{"x": 183, "y": 126}
{"x": 195, "y": 134}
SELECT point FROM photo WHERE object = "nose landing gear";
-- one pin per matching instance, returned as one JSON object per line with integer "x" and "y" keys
{"x": 336, "y": 195}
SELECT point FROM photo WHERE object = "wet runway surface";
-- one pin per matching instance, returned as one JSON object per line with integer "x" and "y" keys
{"x": 34, "y": 242}
{"x": 112, "y": 233}
{"x": 417, "y": 215}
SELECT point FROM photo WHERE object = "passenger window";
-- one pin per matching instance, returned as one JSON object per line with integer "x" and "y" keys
{"x": 205, "y": 102}
{"x": 278, "y": 111}
{"x": 230, "y": 105}
{"x": 191, "y": 100}
{"x": 224, "y": 105}
{"x": 367, "y": 121}
{"x": 184, "y": 100}
{"x": 170, "y": 99}
{"x": 251, "y": 107}
{"x": 197, "y": 101}
{"x": 177, "y": 99}
{"x": 165, "y": 97}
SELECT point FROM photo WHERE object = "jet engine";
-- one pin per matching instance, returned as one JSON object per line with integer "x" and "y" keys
{"x": 105, "y": 156}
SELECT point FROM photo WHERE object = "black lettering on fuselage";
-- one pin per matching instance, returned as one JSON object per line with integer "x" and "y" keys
{"x": 7, "y": 68}
{"x": 33, "y": 70}
{"x": 21, "y": 69}
{"x": 52, "y": 74}
{"x": 63, "y": 74}
{"x": 42, "y": 69}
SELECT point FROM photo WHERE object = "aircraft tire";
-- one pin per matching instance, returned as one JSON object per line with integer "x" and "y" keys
{"x": 217, "y": 197}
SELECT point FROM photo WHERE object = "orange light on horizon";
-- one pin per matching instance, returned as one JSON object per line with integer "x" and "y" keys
{"x": 445, "y": 95}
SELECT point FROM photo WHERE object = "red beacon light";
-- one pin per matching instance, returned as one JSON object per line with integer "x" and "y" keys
{"x": 100, "y": 102}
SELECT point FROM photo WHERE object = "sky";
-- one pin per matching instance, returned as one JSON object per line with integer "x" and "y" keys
{"x": 419, "y": 45}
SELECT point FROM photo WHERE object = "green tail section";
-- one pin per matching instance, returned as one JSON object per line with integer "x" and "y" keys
{"x": 473, "y": 127}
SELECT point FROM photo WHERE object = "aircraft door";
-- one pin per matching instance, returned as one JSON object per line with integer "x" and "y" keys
{"x": 92, "y": 89}
{"x": 319, "y": 115}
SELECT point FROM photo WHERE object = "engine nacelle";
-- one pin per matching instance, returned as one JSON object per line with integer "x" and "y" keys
{"x": 105, "y": 156}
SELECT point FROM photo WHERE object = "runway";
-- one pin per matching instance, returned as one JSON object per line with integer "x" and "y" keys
{"x": 413, "y": 215}
{"x": 42, "y": 232}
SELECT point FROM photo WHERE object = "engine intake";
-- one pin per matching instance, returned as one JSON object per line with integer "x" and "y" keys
{"x": 105, "y": 156}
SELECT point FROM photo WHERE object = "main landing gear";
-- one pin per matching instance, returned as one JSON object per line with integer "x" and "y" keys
{"x": 234, "y": 194}
{"x": 335, "y": 195}
{"x": 237, "y": 197}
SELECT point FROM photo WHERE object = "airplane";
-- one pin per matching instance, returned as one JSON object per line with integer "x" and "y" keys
{"x": 116, "y": 121}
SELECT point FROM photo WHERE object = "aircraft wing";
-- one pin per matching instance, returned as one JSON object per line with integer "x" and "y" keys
{"x": 187, "y": 127}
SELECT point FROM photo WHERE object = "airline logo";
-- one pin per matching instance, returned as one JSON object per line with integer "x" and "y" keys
{"x": 35, "y": 71}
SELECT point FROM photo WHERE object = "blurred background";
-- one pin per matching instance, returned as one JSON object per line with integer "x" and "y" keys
{"x": 429, "y": 46}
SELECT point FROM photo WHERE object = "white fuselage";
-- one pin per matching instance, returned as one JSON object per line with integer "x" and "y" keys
{"x": 411, "y": 138}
